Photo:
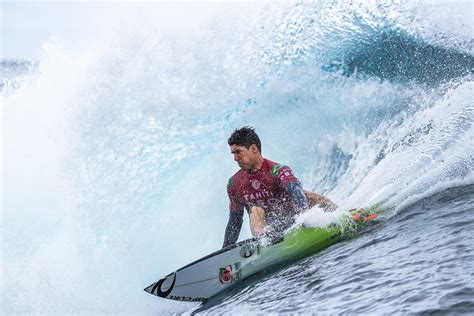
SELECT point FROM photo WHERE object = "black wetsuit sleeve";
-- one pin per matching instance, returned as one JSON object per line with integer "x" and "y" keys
{"x": 295, "y": 190}
{"x": 234, "y": 225}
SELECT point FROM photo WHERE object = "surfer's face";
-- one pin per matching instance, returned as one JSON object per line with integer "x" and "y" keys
{"x": 247, "y": 158}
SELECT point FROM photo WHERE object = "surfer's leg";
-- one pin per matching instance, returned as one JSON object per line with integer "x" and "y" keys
{"x": 257, "y": 221}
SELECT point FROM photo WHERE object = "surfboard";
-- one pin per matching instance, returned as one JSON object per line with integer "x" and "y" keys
{"x": 214, "y": 273}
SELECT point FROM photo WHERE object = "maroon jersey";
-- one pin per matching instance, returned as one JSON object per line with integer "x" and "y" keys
{"x": 263, "y": 188}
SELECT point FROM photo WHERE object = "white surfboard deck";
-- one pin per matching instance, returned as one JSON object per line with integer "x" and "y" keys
{"x": 214, "y": 273}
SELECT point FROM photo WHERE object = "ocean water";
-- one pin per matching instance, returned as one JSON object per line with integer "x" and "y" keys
{"x": 115, "y": 162}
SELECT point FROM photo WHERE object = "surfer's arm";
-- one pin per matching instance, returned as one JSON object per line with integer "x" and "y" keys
{"x": 322, "y": 201}
{"x": 234, "y": 225}
{"x": 295, "y": 190}
{"x": 293, "y": 187}
{"x": 236, "y": 215}
{"x": 302, "y": 199}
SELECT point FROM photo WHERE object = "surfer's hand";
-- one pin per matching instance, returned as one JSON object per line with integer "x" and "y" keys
{"x": 330, "y": 207}
{"x": 315, "y": 199}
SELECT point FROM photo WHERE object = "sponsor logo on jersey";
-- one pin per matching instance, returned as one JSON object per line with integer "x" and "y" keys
{"x": 258, "y": 195}
{"x": 285, "y": 175}
{"x": 230, "y": 273}
{"x": 255, "y": 184}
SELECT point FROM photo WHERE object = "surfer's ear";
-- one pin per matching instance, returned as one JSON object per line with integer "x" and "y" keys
{"x": 254, "y": 148}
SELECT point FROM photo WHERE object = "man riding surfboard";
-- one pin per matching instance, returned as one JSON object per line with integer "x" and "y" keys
{"x": 269, "y": 191}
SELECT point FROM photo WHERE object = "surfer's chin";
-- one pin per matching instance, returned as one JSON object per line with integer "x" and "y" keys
{"x": 246, "y": 169}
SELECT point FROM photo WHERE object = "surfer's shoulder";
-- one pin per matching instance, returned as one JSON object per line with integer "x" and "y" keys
{"x": 235, "y": 178}
{"x": 276, "y": 168}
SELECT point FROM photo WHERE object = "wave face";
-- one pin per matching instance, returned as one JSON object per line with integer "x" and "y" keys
{"x": 115, "y": 160}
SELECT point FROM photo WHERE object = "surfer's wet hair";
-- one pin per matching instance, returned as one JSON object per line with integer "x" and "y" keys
{"x": 245, "y": 136}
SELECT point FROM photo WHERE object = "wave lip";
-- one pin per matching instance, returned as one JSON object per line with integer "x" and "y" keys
{"x": 395, "y": 55}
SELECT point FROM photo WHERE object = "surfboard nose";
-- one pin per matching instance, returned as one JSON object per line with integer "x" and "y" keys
{"x": 149, "y": 288}
{"x": 156, "y": 289}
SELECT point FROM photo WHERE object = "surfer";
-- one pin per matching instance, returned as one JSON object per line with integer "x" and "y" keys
{"x": 269, "y": 191}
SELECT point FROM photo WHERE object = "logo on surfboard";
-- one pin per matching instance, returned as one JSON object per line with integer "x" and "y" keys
{"x": 248, "y": 250}
{"x": 156, "y": 288}
{"x": 230, "y": 273}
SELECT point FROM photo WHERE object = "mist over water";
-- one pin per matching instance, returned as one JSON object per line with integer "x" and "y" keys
{"x": 115, "y": 162}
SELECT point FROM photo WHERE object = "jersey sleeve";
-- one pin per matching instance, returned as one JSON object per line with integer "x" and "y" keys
{"x": 295, "y": 190}
{"x": 293, "y": 187}
{"x": 285, "y": 176}
{"x": 232, "y": 230}
{"x": 234, "y": 203}
{"x": 236, "y": 213}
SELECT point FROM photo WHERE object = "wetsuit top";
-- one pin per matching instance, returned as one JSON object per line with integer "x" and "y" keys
{"x": 273, "y": 188}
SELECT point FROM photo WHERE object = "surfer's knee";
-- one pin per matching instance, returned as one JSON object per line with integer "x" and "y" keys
{"x": 257, "y": 220}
